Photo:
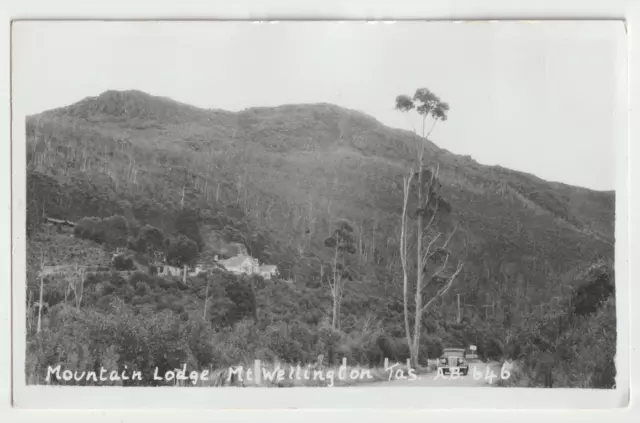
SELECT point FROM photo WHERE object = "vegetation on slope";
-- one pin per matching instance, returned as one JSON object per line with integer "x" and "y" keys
{"x": 277, "y": 180}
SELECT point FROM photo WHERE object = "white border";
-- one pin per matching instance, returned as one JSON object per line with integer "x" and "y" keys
{"x": 349, "y": 397}
{"x": 352, "y": 397}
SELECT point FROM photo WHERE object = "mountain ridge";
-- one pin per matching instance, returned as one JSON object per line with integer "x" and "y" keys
{"x": 110, "y": 95}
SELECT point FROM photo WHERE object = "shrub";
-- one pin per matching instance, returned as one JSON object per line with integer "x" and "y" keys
{"x": 112, "y": 231}
{"x": 148, "y": 240}
{"x": 243, "y": 298}
{"x": 166, "y": 283}
{"x": 116, "y": 231}
{"x": 187, "y": 224}
{"x": 90, "y": 228}
{"x": 182, "y": 250}
{"x": 117, "y": 280}
{"x": 285, "y": 344}
{"x": 138, "y": 278}
{"x": 430, "y": 347}
{"x": 589, "y": 350}
{"x": 395, "y": 349}
{"x": 599, "y": 286}
{"x": 122, "y": 263}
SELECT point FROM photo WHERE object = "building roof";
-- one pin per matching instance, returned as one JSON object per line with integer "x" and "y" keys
{"x": 59, "y": 221}
{"x": 170, "y": 266}
{"x": 235, "y": 261}
{"x": 268, "y": 268}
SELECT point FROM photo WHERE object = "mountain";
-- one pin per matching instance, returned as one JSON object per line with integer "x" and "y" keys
{"x": 278, "y": 179}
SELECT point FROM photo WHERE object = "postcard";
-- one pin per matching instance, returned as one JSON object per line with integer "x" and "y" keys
{"x": 350, "y": 211}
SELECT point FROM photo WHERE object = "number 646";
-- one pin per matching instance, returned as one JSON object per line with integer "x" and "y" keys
{"x": 489, "y": 375}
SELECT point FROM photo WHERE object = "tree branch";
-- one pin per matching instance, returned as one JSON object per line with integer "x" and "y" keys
{"x": 432, "y": 126}
{"x": 444, "y": 266}
{"x": 443, "y": 247}
{"x": 450, "y": 235}
{"x": 444, "y": 289}
{"x": 433, "y": 217}
{"x": 426, "y": 254}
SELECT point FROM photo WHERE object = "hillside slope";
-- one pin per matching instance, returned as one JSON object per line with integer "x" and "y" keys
{"x": 277, "y": 179}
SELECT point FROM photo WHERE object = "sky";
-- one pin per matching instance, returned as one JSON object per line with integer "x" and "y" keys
{"x": 544, "y": 98}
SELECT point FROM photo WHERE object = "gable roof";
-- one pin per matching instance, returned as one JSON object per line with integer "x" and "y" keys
{"x": 235, "y": 261}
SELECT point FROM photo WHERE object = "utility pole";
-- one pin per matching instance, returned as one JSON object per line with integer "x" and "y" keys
{"x": 458, "y": 308}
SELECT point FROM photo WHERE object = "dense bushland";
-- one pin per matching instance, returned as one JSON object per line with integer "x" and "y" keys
{"x": 571, "y": 342}
{"x": 218, "y": 320}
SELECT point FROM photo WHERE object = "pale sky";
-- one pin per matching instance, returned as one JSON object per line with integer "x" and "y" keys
{"x": 545, "y": 98}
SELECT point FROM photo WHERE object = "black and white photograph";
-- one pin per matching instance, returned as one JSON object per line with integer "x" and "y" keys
{"x": 370, "y": 205}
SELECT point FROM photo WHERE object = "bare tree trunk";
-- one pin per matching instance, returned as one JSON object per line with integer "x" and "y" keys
{"x": 39, "y": 328}
{"x": 312, "y": 222}
{"x": 78, "y": 287}
{"x": 329, "y": 215}
{"x": 360, "y": 255}
{"x": 373, "y": 242}
{"x": 334, "y": 313}
{"x": 245, "y": 190}
{"x": 206, "y": 300}
{"x": 403, "y": 257}
{"x": 335, "y": 289}
{"x": 238, "y": 189}
{"x": 419, "y": 262}
{"x": 422, "y": 253}
{"x": 30, "y": 312}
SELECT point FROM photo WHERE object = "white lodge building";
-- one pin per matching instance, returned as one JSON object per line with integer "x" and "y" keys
{"x": 267, "y": 271}
{"x": 168, "y": 270}
{"x": 241, "y": 264}
{"x": 248, "y": 265}
{"x": 238, "y": 265}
